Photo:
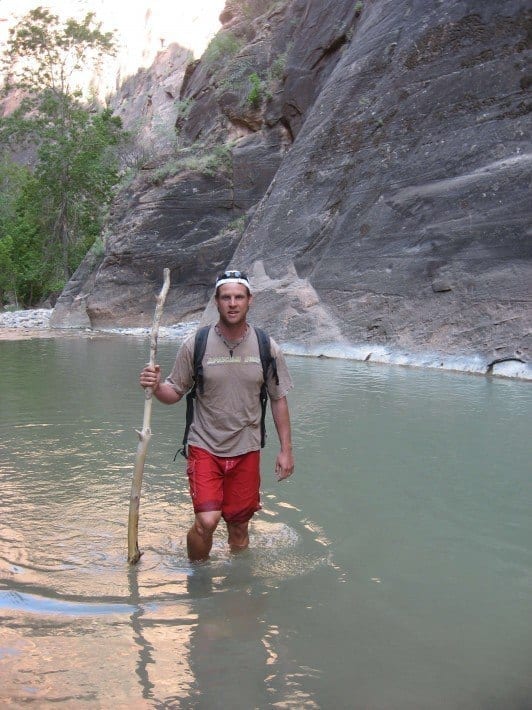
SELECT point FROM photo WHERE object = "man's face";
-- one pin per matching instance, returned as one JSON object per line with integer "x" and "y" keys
{"x": 233, "y": 304}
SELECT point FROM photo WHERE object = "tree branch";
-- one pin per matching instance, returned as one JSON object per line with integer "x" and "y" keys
{"x": 144, "y": 436}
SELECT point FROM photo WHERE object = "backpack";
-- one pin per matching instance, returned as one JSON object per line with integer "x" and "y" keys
{"x": 267, "y": 361}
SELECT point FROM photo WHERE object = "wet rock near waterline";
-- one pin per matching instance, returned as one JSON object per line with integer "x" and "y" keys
{"x": 381, "y": 182}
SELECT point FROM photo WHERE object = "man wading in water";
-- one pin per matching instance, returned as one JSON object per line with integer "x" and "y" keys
{"x": 224, "y": 439}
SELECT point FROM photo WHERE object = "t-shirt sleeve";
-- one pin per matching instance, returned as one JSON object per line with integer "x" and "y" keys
{"x": 182, "y": 375}
{"x": 285, "y": 381}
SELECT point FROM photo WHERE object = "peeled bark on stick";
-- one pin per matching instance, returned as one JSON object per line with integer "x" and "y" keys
{"x": 133, "y": 552}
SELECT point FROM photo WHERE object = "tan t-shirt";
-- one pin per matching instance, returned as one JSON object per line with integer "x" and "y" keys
{"x": 227, "y": 415}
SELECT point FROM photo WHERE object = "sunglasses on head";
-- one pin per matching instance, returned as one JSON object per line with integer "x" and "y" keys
{"x": 232, "y": 275}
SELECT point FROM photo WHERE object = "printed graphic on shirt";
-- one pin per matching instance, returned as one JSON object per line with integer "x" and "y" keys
{"x": 235, "y": 360}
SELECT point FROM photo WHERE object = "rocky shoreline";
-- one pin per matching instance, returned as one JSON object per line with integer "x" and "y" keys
{"x": 21, "y": 325}
{"x": 35, "y": 323}
{"x": 36, "y": 318}
{"x": 24, "y": 325}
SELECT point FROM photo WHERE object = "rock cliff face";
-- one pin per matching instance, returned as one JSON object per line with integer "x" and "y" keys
{"x": 368, "y": 163}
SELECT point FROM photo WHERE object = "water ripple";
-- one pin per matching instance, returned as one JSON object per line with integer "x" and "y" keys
{"x": 11, "y": 600}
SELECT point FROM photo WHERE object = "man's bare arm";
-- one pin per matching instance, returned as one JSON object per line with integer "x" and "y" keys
{"x": 284, "y": 464}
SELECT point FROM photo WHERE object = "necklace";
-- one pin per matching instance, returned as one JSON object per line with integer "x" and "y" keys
{"x": 231, "y": 345}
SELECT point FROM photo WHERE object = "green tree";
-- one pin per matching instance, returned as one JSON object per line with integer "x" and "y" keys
{"x": 7, "y": 284}
{"x": 12, "y": 180}
{"x": 75, "y": 163}
{"x": 26, "y": 266}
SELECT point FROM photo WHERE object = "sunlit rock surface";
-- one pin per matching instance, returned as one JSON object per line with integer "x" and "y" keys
{"x": 378, "y": 187}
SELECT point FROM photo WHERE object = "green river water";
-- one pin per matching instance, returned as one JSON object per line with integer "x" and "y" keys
{"x": 392, "y": 572}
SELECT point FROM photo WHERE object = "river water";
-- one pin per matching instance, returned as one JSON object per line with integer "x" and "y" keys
{"x": 393, "y": 571}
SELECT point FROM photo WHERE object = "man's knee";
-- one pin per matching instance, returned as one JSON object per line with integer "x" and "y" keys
{"x": 206, "y": 523}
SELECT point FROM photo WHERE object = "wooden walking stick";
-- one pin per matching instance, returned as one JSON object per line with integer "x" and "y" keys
{"x": 133, "y": 552}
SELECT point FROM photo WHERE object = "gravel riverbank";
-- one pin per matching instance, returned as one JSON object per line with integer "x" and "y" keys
{"x": 37, "y": 318}
{"x": 21, "y": 325}
{"x": 35, "y": 323}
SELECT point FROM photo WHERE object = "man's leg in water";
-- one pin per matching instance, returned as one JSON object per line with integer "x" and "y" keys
{"x": 199, "y": 538}
{"x": 241, "y": 497}
{"x": 238, "y": 536}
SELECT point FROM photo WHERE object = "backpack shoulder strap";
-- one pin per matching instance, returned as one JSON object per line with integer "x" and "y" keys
{"x": 266, "y": 356}
{"x": 267, "y": 361}
{"x": 200, "y": 344}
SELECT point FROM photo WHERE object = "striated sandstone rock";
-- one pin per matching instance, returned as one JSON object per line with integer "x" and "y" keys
{"x": 404, "y": 200}
{"x": 398, "y": 217}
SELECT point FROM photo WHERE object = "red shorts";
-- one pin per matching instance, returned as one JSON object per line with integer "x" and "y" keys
{"x": 227, "y": 484}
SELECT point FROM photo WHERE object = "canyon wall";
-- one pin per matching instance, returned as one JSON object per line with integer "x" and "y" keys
{"x": 368, "y": 163}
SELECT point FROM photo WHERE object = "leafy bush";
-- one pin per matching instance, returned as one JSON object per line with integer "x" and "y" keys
{"x": 208, "y": 161}
{"x": 254, "y": 98}
{"x": 277, "y": 67}
{"x": 222, "y": 46}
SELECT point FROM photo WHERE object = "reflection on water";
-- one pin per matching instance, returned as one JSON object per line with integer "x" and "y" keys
{"x": 393, "y": 571}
